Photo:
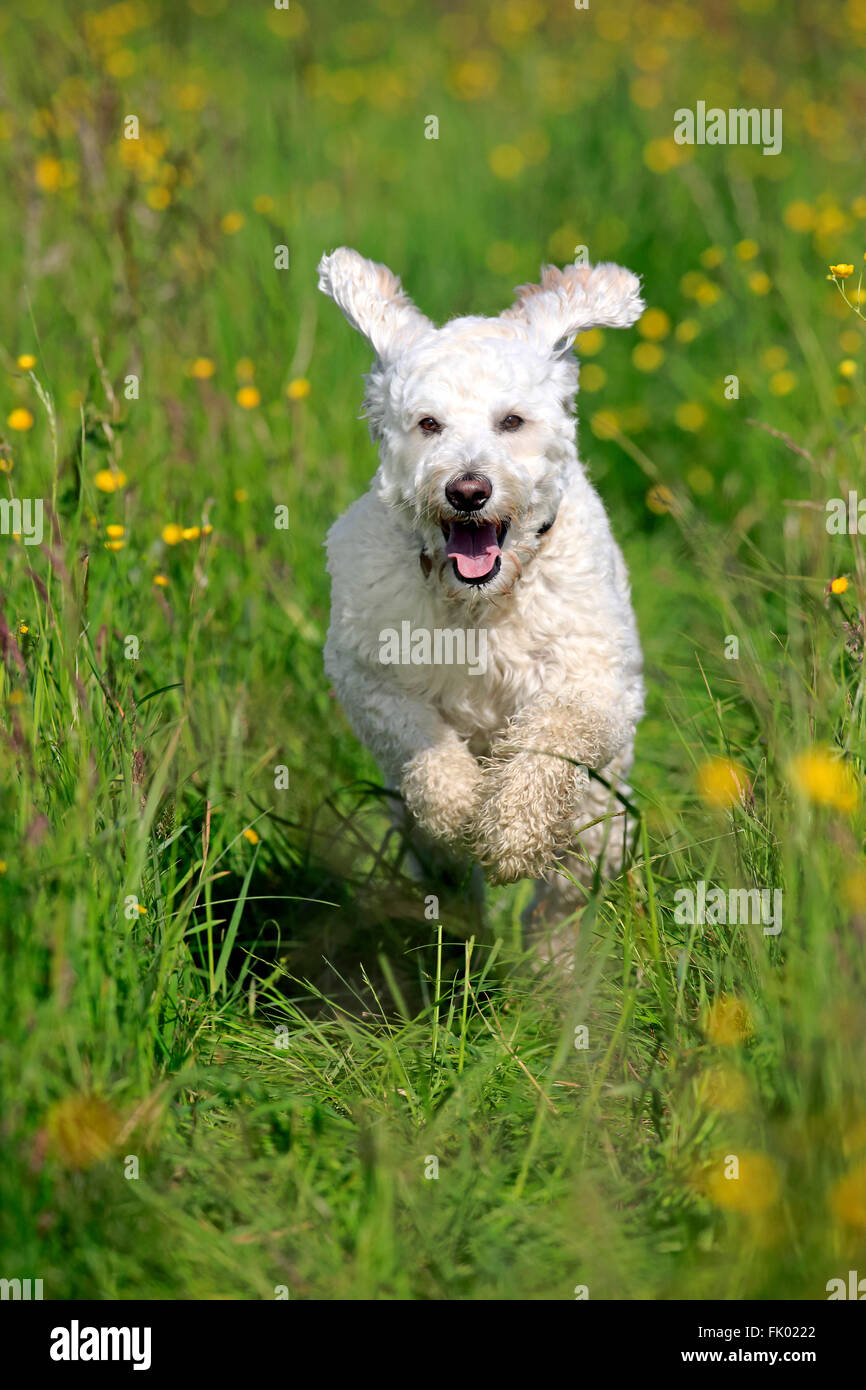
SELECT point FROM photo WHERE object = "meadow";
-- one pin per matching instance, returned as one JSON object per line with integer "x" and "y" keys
{"x": 240, "y": 1058}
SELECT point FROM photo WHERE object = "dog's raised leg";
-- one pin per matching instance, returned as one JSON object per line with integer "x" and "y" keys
{"x": 536, "y": 782}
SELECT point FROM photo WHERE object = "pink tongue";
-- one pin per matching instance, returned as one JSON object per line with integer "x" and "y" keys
{"x": 475, "y": 548}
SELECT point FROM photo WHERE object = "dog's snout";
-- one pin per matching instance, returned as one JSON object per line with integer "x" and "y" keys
{"x": 469, "y": 492}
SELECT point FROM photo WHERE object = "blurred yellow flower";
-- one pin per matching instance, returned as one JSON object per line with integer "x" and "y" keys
{"x": 248, "y": 397}
{"x": 825, "y": 779}
{"x": 848, "y": 367}
{"x": 245, "y": 369}
{"x": 172, "y": 534}
{"x": 690, "y": 416}
{"x": 158, "y": 198}
{"x": 648, "y": 357}
{"x": 713, "y": 256}
{"x": 190, "y": 97}
{"x": 654, "y": 324}
{"x": 109, "y": 480}
{"x": 747, "y": 249}
{"x": 663, "y": 154}
{"x": 687, "y": 331}
{"x": 48, "y": 173}
{"x": 161, "y": 580}
{"x": 728, "y": 1021}
{"x": 707, "y": 293}
{"x": 298, "y": 389}
{"x": 660, "y": 499}
{"x": 501, "y": 257}
{"x": 799, "y": 216}
{"x": 854, "y": 889}
{"x": 755, "y": 1187}
{"x": 121, "y": 63}
{"x": 81, "y": 1130}
{"x": 232, "y": 223}
{"x": 841, "y": 271}
{"x": 250, "y": 834}
{"x": 263, "y": 203}
{"x": 604, "y": 424}
{"x": 774, "y": 358}
{"x": 848, "y": 1197}
{"x": 723, "y": 1088}
{"x": 115, "y": 531}
{"x": 20, "y": 419}
{"x": 760, "y": 282}
{"x": 839, "y": 586}
{"x": 700, "y": 480}
{"x": 191, "y": 533}
{"x": 23, "y": 629}
{"x": 589, "y": 342}
{"x": 201, "y": 368}
{"x": 592, "y": 377}
{"x": 506, "y": 161}
{"x": 646, "y": 92}
{"x": 27, "y": 361}
{"x": 722, "y": 782}
{"x": 782, "y": 383}
{"x": 850, "y": 340}
{"x": 114, "y": 545}
{"x": 241, "y": 494}
{"x": 476, "y": 76}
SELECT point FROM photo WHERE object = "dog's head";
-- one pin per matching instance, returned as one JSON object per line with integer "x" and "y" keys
{"x": 474, "y": 420}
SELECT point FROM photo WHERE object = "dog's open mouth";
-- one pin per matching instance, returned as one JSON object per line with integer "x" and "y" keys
{"x": 475, "y": 548}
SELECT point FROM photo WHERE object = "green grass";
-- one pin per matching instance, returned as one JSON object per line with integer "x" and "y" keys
{"x": 266, "y": 1037}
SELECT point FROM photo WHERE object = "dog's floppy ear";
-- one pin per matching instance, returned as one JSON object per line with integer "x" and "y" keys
{"x": 373, "y": 300}
{"x": 568, "y": 301}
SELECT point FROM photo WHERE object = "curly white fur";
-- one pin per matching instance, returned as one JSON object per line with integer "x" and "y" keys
{"x": 496, "y": 760}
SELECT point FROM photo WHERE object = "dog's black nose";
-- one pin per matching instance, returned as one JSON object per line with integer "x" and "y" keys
{"x": 469, "y": 492}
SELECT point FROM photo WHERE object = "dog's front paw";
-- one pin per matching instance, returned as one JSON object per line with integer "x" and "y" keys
{"x": 442, "y": 789}
{"x": 529, "y": 805}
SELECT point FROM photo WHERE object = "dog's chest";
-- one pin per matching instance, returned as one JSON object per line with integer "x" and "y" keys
{"x": 505, "y": 668}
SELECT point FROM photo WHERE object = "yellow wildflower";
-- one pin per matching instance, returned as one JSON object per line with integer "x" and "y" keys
{"x": 728, "y": 1021}
{"x": 109, "y": 479}
{"x": 825, "y": 779}
{"x": 722, "y": 782}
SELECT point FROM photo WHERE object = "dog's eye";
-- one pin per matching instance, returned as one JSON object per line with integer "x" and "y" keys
{"x": 429, "y": 425}
{"x": 511, "y": 422}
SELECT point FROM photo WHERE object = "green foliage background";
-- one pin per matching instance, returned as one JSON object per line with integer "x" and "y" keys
{"x": 158, "y": 1034}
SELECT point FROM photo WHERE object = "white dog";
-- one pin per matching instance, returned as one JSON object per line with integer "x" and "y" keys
{"x": 480, "y": 521}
